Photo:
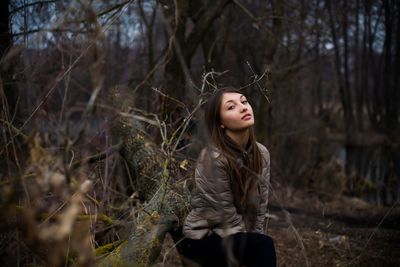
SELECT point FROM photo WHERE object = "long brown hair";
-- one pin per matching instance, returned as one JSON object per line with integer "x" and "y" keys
{"x": 245, "y": 167}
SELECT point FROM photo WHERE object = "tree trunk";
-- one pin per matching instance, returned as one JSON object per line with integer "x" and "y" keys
{"x": 389, "y": 70}
{"x": 166, "y": 201}
{"x": 359, "y": 102}
{"x": 9, "y": 103}
{"x": 177, "y": 76}
{"x": 342, "y": 77}
{"x": 396, "y": 74}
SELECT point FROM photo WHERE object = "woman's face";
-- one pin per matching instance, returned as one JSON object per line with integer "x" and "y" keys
{"x": 235, "y": 112}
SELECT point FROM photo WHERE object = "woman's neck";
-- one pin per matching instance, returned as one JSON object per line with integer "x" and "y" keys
{"x": 241, "y": 138}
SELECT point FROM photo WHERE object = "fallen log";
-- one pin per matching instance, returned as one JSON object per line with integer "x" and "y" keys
{"x": 165, "y": 203}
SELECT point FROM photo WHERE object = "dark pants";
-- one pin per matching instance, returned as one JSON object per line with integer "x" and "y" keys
{"x": 240, "y": 249}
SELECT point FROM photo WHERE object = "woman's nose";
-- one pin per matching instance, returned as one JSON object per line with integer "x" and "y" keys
{"x": 244, "y": 108}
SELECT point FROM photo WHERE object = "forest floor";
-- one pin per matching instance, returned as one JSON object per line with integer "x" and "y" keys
{"x": 311, "y": 230}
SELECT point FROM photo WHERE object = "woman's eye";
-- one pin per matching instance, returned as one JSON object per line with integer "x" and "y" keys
{"x": 245, "y": 102}
{"x": 230, "y": 107}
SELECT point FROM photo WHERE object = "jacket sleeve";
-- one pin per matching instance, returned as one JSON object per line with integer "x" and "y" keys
{"x": 264, "y": 190}
{"x": 214, "y": 195}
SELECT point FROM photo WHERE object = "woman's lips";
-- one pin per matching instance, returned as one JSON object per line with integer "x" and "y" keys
{"x": 246, "y": 117}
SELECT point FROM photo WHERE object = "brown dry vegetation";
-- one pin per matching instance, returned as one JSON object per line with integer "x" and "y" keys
{"x": 100, "y": 125}
{"x": 310, "y": 232}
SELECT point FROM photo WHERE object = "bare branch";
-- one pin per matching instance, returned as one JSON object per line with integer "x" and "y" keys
{"x": 32, "y": 4}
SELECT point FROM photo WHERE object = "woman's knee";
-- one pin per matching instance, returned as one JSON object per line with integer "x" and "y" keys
{"x": 268, "y": 239}
{"x": 255, "y": 240}
{"x": 264, "y": 241}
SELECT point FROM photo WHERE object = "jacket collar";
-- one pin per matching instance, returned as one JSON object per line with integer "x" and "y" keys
{"x": 243, "y": 153}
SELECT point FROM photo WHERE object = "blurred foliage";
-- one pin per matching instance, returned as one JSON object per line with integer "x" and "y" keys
{"x": 101, "y": 107}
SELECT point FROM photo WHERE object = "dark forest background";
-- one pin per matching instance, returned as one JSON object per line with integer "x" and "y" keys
{"x": 323, "y": 78}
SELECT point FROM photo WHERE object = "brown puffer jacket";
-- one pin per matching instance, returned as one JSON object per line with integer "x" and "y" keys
{"x": 213, "y": 209}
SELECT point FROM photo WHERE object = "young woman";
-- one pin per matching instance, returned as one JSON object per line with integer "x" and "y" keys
{"x": 229, "y": 202}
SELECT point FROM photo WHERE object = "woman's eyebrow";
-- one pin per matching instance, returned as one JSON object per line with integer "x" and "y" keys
{"x": 233, "y": 101}
{"x": 243, "y": 98}
{"x": 229, "y": 101}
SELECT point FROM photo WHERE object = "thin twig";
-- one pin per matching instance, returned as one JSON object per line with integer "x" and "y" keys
{"x": 297, "y": 234}
{"x": 62, "y": 75}
{"x": 257, "y": 81}
{"x": 372, "y": 234}
{"x": 97, "y": 157}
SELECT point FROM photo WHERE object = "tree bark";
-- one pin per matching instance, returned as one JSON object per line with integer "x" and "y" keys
{"x": 359, "y": 99}
{"x": 177, "y": 77}
{"x": 342, "y": 78}
{"x": 9, "y": 104}
{"x": 166, "y": 201}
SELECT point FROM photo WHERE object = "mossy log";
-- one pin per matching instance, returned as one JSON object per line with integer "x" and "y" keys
{"x": 165, "y": 203}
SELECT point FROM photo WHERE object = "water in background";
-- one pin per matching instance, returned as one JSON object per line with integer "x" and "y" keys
{"x": 373, "y": 172}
